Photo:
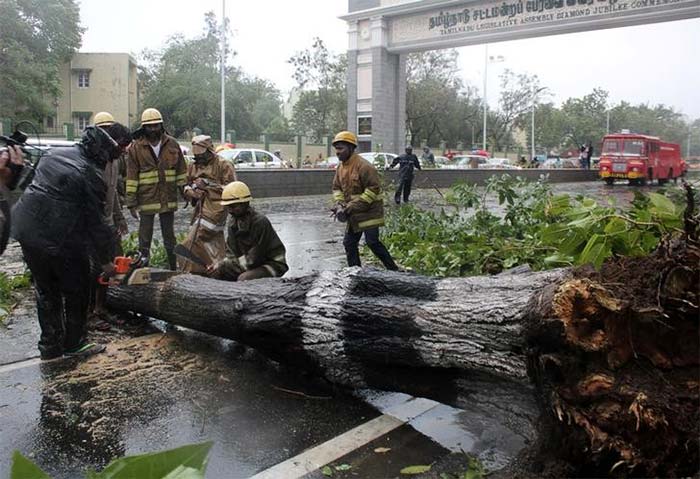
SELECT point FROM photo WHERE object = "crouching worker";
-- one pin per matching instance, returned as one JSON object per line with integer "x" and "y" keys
{"x": 253, "y": 249}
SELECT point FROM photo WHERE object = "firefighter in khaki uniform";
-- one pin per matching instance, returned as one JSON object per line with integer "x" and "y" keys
{"x": 206, "y": 178}
{"x": 357, "y": 193}
{"x": 155, "y": 171}
{"x": 253, "y": 249}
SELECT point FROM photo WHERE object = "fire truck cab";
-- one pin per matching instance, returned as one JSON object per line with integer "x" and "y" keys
{"x": 638, "y": 159}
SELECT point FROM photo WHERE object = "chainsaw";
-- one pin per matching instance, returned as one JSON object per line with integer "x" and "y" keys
{"x": 131, "y": 270}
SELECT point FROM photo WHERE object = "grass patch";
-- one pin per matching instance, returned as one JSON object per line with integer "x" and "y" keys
{"x": 9, "y": 289}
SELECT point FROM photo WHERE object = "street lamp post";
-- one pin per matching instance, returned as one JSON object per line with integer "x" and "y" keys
{"x": 532, "y": 133}
{"x": 487, "y": 60}
{"x": 223, "y": 71}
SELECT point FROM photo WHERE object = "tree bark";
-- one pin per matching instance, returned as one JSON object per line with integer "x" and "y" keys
{"x": 553, "y": 349}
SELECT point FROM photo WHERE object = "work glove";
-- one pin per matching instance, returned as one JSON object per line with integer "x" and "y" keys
{"x": 122, "y": 228}
{"x": 193, "y": 193}
{"x": 108, "y": 269}
{"x": 341, "y": 215}
{"x": 134, "y": 212}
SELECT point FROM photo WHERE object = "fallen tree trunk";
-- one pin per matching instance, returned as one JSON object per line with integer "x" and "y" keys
{"x": 609, "y": 384}
{"x": 455, "y": 340}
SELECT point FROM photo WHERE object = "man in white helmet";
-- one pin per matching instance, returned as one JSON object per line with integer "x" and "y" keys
{"x": 253, "y": 249}
{"x": 155, "y": 174}
{"x": 206, "y": 177}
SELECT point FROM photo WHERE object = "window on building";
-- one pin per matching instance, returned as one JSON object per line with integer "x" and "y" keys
{"x": 83, "y": 79}
{"x": 81, "y": 121}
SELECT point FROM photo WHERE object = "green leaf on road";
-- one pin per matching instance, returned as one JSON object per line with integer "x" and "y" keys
{"x": 186, "y": 462}
{"x": 327, "y": 471}
{"x": 662, "y": 204}
{"x": 414, "y": 470}
{"x": 343, "y": 467}
{"x": 23, "y": 468}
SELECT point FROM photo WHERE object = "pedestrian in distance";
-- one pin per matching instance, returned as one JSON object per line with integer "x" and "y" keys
{"x": 58, "y": 220}
{"x": 589, "y": 155}
{"x": 358, "y": 201}
{"x": 206, "y": 177}
{"x": 253, "y": 248}
{"x": 428, "y": 158}
{"x": 407, "y": 162}
{"x": 155, "y": 175}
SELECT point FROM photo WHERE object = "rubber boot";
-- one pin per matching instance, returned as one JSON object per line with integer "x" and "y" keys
{"x": 172, "y": 261}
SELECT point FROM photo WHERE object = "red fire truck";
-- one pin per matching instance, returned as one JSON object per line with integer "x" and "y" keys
{"x": 639, "y": 158}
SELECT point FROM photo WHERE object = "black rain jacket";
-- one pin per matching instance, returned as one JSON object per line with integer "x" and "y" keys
{"x": 62, "y": 210}
{"x": 406, "y": 164}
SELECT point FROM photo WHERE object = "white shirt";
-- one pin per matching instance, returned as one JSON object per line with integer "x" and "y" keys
{"x": 156, "y": 149}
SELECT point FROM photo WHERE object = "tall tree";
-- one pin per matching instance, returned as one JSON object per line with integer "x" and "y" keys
{"x": 518, "y": 93}
{"x": 438, "y": 105}
{"x": 183, "y": 81}
{"x": 36, "y": 37}
{"x": 322, "y": 105}
{"x": 585, "y": 118}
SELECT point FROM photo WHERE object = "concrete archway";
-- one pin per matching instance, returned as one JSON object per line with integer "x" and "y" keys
{"x": 382, "y": 32}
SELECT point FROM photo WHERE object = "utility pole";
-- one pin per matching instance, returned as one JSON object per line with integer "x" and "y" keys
{"x": 223, "y": 71}
{"x": 488, "y": 60}
{"x": 486, "y": 67}
{"x": 532, "y": 142}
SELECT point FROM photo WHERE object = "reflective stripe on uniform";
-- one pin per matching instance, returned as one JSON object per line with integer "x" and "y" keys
{"x": 280, "y": 258}
{"x": 151, "y": 207}
{"x": 368, "y": 223}
{"x": 210, "y": 226}
{"x": 132, "y": 186}
{"x": 148, "y": 174}
{"x": 149, "y": 181}
{"x": 338, "y": 195}
{"x": 270, "y": 269}
{"x": 368, "y": 196}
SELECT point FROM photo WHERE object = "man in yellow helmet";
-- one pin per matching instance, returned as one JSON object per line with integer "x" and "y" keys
{"x": 206, "y": 177}
{"x": 155, "y": 172}
{"x": 357, "y": 193}
{"x": 253, "y": 249}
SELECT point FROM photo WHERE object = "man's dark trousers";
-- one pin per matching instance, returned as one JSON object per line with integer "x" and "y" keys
{"x": 405, "y": 186}
{"x": 167, "y": 229}
{"x": 351, "y": 242}
{"x": 62, "y": 296}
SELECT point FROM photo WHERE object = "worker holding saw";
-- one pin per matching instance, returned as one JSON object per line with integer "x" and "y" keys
{"x": 206, "y": 177}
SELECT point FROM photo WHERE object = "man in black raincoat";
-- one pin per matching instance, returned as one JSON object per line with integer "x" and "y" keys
{"x": 58, "y": 220}
{"x": 406, "y": 163}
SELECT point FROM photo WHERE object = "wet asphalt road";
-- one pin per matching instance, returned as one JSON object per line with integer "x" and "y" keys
{"x": 159, "y": 387}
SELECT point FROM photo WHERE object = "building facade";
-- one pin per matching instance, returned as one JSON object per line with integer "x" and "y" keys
{"x": 91, "y": 83}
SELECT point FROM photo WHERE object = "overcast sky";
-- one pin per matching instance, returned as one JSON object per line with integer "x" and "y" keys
{"x": 645, "y": 64}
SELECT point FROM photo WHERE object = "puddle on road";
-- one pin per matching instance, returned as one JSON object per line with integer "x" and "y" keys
{"x": 457, "y": 430}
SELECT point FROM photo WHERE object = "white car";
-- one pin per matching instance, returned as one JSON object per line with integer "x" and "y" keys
{"x": 498, "y": 163}
{"x": 379, "y": 160}
{"x": 251, "y": 158}
{"x": 461, "y": 162}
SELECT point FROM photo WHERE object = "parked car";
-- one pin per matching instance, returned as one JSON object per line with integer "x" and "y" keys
{"x": 499, "y": 164}
{"x": 330, "y": 162}
{"x": 440, "y": 161}
{"x": 379, "y": 160}
{"x": 251, "y": 158}
{"x": 461, "y": 162}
